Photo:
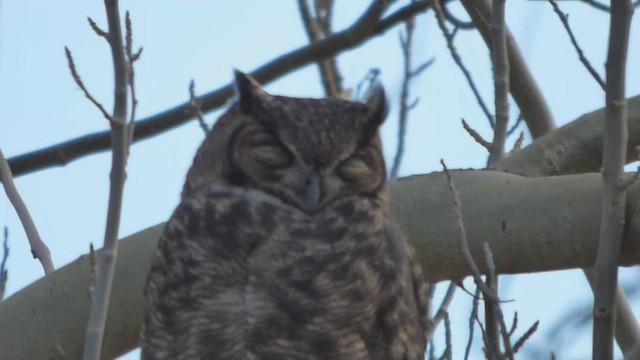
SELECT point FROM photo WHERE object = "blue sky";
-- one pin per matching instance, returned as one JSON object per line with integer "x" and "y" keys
{"x": 40, "y": 105}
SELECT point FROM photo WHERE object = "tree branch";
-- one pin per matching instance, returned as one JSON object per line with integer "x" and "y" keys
{"x": 613, "y": 196}
{"x": 500, "y": 62}
{"x": 524, "y": 89}
{"x": 363, "y": 29}
{"x": 120, "y": 150}
{"x": 319, "y": 27}
{"x": 583, "y": 59}
{"x": 406, "y": 44}
{"x": 39, "y": 249}
{"x": 574, "y": 148}
{"x": 458, "y": 60}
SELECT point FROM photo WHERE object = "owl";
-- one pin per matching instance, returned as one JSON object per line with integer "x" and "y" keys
{"x": 282, "y": 246}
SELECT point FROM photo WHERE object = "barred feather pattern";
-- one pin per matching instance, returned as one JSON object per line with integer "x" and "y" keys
{"x": 241, "y": 275}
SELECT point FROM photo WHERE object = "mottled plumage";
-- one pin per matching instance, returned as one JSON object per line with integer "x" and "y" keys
{"x": 282, "y": 246}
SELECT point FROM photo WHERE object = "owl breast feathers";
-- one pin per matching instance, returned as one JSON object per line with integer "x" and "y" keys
{"x": 282, "y": 246}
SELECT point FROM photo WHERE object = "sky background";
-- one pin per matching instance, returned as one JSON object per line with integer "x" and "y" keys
{"x": 40, "y": 105}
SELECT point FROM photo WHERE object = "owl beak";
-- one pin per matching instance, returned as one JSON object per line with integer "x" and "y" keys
{"x": 312, "y": 193}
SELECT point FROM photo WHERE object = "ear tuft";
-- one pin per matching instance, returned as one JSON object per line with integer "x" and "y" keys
{"x": 376, "y": 100}
{"x": 248, "y": 91}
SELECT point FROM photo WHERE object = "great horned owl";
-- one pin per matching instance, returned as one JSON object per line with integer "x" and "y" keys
{"x": 282, "y": 246}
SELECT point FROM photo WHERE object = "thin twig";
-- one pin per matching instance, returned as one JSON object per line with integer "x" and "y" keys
{"x": 441, "y": 312}
{"x": 362, "y": 30}
{"x": 514, "y": 324}
{"x": 523, "y": 87}
{"x": 422, "y": 67}
{"x": 518, "y": 345}
{"x": 195, "y": 106}
{"x": 120, "y": 150}
{"x": 97, "y": 29}
{"x": 500, "y": 61}
{"x": 406, "y": 43}
{"x": 518, "y": 144}
{"x": 131, "y": 59}
{"x": 487, "y": 354}
{"x": 597, "y": 5}
{"x": 474, "y": 314}
{"x": 447, "y": 354}
{"x": 319, "y": 27}
{"x": 514, "y": 127}
{"x": 493, "y": 320}
{"x": 39, "y": 249}
{"x": 456, "y": 57}
{"x": 78, "y": 80}
{"x": 565, "y": 22}
{"x": 462, "y": 236}
{"x": 477, "y": 137}
{"x": 457, "y": 23}
{"x": 613, "y": 195}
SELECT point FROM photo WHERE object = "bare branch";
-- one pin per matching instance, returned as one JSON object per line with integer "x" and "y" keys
{"x": 518, "y": 144}
{"x": 365, "y": 28}
{"x": 613, "y": 195}
{"x": 515, "y": 125}
{"x": 500, "y": 61}
{"x": 627, "y": 328}
{"x": 195, "y": 106}
{"x": 457, "y": 23}
{"x": 442, "y": 311}
{"x": 319, "y": 27}
{"x": 494, "y": 321}
{"x": 597, "y": 5}
{"x": 523, "y": 87}
{"x": 565, "y": 22}
{"x": 120, "y": 140}
{"x": 474, "y": 315}
{"x": 422, "y": 67}
{"x": 446, "y": 355}
{"x": 477, "y": 137}
{"x": 456, "y": 57}
{"x": 462, "y": 236}
{"x": 97, "y": 29}
{"x": 80, "y": 84}
{"x": 406, "y": 43}
{"x": 39, "y": 249}
{"x": 518, "y": 345}
{"x": 131, "y": 59}
{"x": 514, "y": 324}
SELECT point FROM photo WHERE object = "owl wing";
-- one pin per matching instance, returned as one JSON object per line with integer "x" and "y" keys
{"x": 194, "y": 292}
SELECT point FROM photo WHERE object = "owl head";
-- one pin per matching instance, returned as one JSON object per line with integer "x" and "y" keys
{"x": 309, "y": 153}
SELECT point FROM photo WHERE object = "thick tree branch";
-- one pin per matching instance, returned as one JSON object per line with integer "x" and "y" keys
{"x": 535, "y": 224}
{"x": 365, "y": 28}
{"x": 574, "y": 148}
